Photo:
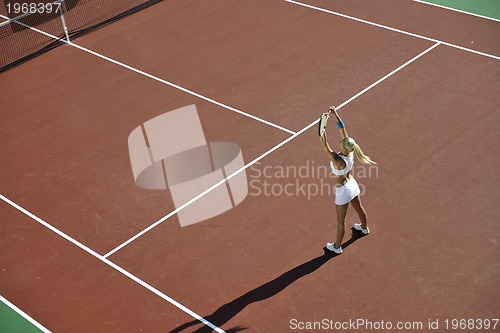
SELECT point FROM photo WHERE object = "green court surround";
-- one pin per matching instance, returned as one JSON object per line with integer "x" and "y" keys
{"x": 489, "y": 8}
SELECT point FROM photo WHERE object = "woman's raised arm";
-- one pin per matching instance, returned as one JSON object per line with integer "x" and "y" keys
{"x": 340, "y": 123}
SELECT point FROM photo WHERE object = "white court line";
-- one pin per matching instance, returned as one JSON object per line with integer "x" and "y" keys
{"x": 24, "y": 315}
{"x": 144, "y": 284}
{"x": 392, "y": 29}
{"x": 111, "y": 264}
{"x": 457, "y": 10}
{"x": 134, "y": 278}
{"x": 133, "y": 69}
{"x": 260, "y": 157}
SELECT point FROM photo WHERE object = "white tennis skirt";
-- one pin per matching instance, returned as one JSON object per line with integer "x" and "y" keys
{"x": 345, "y": 193}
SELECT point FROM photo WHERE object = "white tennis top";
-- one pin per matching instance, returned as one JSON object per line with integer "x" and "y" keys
{"x": 349, "y": 161}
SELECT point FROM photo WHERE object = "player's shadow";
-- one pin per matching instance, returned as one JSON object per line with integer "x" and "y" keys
{"x": 229, "y": 310}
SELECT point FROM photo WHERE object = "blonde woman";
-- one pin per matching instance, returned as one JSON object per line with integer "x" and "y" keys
{"x": 346, "y": 188}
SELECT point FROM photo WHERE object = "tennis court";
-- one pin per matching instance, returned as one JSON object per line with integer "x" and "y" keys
{"x": 85, "y": 249}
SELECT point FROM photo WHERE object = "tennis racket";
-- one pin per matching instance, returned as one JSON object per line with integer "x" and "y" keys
{"x": 322, "y": 123}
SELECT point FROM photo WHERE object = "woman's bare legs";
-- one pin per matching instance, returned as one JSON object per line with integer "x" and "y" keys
{"x": 341, "y": 214}
{"x": 358, "y": 207}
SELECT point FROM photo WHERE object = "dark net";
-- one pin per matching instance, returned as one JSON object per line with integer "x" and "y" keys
{"x": 28, "y": 34}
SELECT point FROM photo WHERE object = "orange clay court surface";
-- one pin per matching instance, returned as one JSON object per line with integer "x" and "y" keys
{"x": 424, "y": 108}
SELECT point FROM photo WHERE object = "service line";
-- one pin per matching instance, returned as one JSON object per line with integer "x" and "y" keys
{"x": 151, "y": 76}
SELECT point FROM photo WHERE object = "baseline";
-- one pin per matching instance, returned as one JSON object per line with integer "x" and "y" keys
{"x": 24, "y": 315}
{"x": 391, "y": 28}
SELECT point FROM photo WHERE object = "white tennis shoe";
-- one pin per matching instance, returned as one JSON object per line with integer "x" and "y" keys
{"x": 331, "y": 247}
{"x": 358, "y": 226}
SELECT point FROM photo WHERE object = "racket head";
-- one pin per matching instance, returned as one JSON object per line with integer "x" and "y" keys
{"x": 322, "y": 123}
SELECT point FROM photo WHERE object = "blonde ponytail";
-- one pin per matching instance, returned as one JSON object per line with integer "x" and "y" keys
{"x": 350, "y": 145}
{"x": 362, "y": 157}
